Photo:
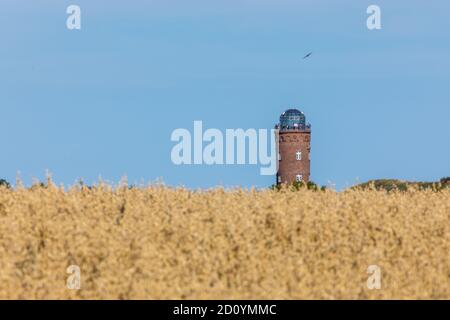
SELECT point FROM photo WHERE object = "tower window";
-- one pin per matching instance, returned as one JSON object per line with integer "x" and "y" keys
{"x": 279, "y": 179}
{"x": 299, "y": 178}
{"x": 298, "y": 156}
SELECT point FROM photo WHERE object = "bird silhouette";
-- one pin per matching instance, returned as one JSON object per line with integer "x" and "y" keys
{"x": 308, "y": 55}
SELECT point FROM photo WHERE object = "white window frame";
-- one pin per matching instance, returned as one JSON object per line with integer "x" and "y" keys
{"x": 298, "y": 155}
{"x": 299, "y": 178}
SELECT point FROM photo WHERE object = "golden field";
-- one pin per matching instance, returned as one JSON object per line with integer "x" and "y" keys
{"x": 162, "y": 243}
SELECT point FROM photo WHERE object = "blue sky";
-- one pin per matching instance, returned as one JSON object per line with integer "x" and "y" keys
{"x": 104, "y": 100}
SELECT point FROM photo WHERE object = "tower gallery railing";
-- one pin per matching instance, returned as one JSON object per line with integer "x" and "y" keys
{"x": 306, "y": 127}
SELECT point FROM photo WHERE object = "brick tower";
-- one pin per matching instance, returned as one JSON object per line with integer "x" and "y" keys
{"x": 294, "y": 147}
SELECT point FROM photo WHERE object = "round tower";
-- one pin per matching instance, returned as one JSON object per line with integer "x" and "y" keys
{"x": 294, "y": 147}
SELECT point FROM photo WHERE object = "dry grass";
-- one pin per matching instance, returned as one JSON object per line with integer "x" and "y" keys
{"x": 161, "y": 243}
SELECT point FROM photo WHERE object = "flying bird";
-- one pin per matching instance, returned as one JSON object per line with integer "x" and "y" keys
{"x": 308, "y": 55}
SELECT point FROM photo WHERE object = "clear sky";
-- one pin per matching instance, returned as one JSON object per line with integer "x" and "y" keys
{"x": 104, "y": 100}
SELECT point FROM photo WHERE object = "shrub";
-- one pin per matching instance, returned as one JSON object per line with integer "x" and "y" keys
{"x": 4, "y": 183}
{"x": 299, "y": 185}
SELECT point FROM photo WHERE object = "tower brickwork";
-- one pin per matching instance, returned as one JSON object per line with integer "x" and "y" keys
{"x": 294, "y": 148}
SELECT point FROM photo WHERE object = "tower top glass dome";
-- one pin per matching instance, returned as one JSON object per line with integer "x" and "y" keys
{"x": 293, "y": 119}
